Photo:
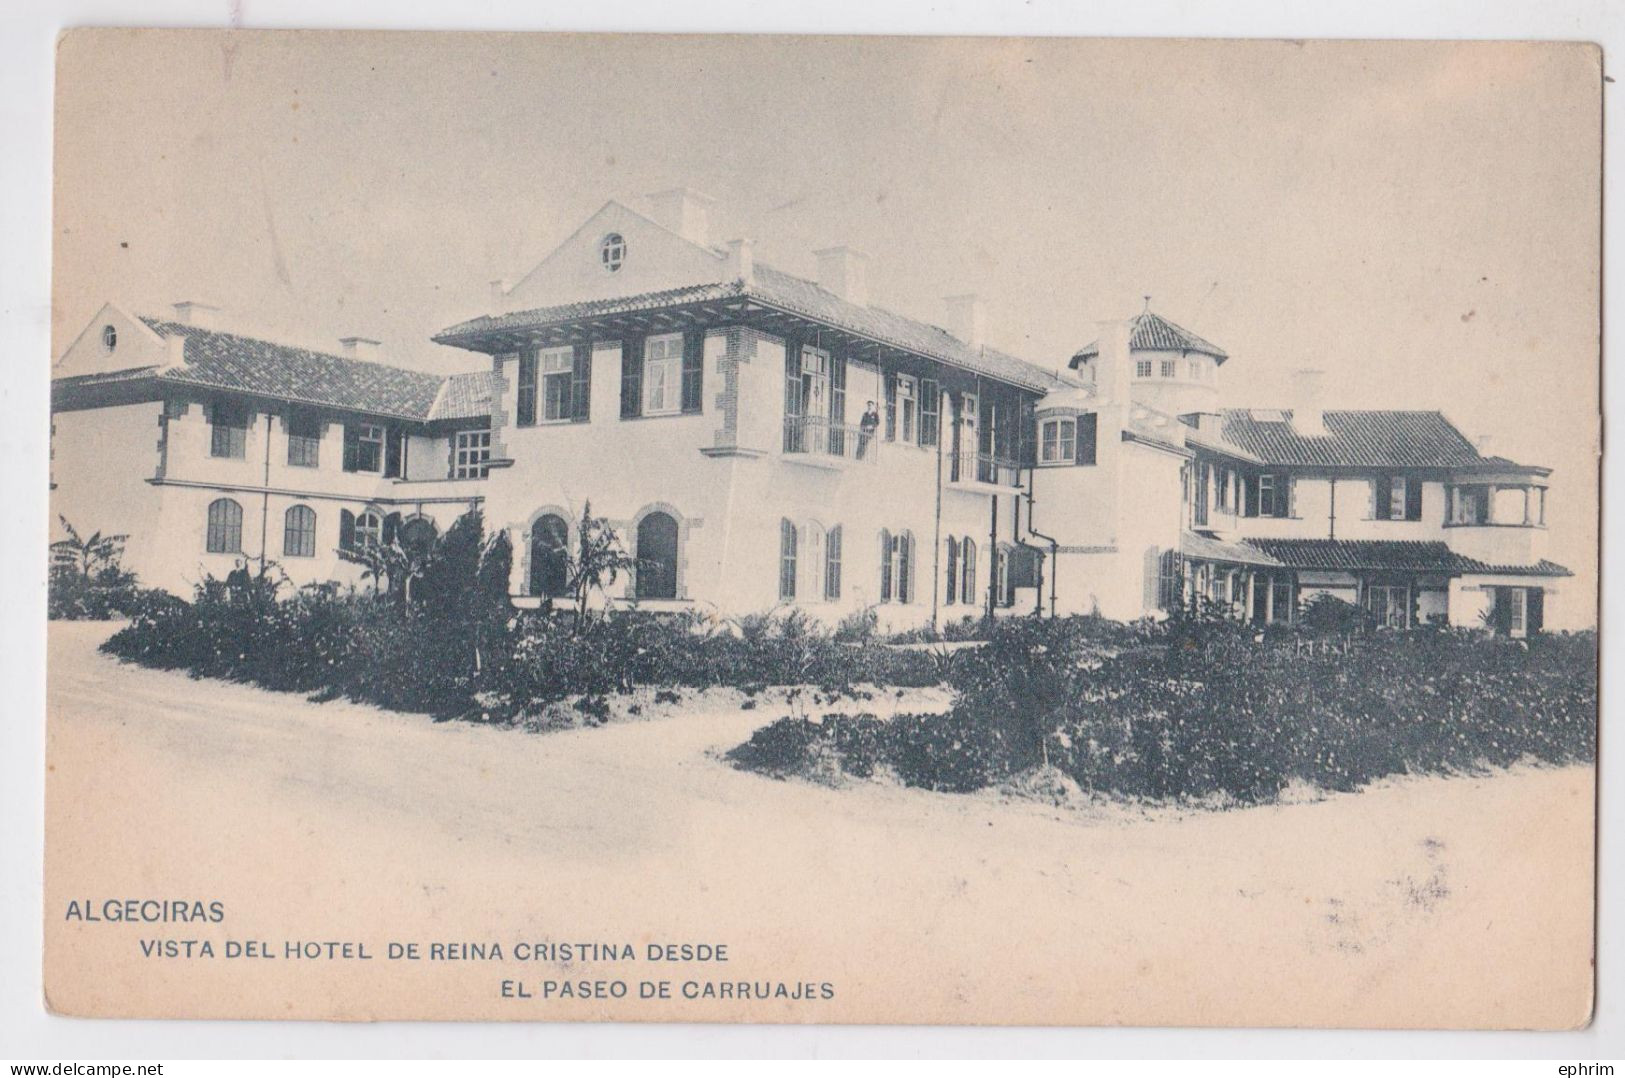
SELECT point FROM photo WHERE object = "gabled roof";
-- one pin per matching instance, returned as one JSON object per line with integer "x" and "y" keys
{"x": 1210, "y": 548}
{"x": 1363, "y": 439}
{"x": 1154, "y": 333}
{"x": 794, "y": 295}
{"x": 228, "y": 361}
{"x": 465, "y": 396}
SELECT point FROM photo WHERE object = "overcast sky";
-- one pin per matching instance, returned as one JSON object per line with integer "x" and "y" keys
{"x": 1419, "y": 220}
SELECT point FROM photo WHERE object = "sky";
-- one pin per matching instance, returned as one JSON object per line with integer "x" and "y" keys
{"x": 1419, "y": 220}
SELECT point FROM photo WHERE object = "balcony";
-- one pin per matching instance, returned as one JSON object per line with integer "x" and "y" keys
{"x": 821, "y": 443}
{"x": 984, "y": 473}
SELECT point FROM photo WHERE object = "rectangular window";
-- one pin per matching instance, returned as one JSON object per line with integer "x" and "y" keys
{"x": 1204, "y": 478}
{"x": 557, "y": 375}
{"x": 1057, "y": 441}
{"x": 663, "y": 374}
{"x": 525, "y": 409}
{"x": 472, "y": 451}
{"x": 907, "y": 408}
{"x": 930, "y": 412}
{"x": 1469, "y": 505}
{"x": 1518, "y": 612}
{"x": 1268, "y": 496}
{"x": 693, "y": 372}
{"x": 304, "y": 441}
{"x": 1280, "y": 600}
{"x": 1167, "y": 368}
{"x": 363, "y": 447}
{"x": 1221, "y": 490}
{"x": 1142, "y": 368}
{"x": 1195, "y": 369}
{"x": 228, "y": 431}
{"x": 787, "y": 561}
{"x": 1390, "y": 604}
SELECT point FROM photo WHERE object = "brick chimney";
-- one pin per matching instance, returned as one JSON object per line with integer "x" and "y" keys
{"x": 360, "y": 347}
{"x": 967, "y": 318}
{"x": 1309, "y": 403}
{"x": 684, "y": 211}
{"x": 192, "y": 313}
{"x": 845, "y": 272}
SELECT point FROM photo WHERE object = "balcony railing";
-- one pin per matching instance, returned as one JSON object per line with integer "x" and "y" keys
{"x": 971, "y": 466}
{"x": 818, "y": 436}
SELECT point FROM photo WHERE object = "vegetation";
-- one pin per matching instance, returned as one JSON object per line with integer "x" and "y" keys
{"x": 87, "y": 580}
{"x": 1199, "y": 709}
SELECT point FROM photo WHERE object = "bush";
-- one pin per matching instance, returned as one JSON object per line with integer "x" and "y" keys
{"x": 1199, "y": 714}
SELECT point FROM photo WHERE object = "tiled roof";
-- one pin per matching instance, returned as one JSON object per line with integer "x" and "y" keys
{"x": 1209, "y": 548}
{"x": 465, "y": 396}
{"x": 1154, "y": 333}
{"x": 792, "y": 294}
{"x": 1150, "y": 425}
{"x": 1406, "y": 556}
{"x": 249, "y": 365}
{"x": 1375, "y": 439}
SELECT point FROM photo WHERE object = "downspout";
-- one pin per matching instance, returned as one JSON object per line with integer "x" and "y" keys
{"x": 936, "y": 525}
{"x": 993, "y": 556}
{"x": 1055, "y": 553}
{"x": 265, "y": 496}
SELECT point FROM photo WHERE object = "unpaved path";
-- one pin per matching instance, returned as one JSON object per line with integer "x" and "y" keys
{"x": 1434, "y": 902}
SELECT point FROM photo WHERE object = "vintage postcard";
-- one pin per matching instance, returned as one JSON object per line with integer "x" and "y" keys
{"x": 823, "y": 530}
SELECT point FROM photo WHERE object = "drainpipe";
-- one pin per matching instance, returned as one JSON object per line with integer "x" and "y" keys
{"x": 265, "y": 496}
{"x": 936, "y": 526}
{"x": 992, "y": 556}
{"x": 1055, "y": 553}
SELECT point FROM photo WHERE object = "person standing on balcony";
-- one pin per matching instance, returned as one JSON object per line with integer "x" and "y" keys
{"x": 867, "y": 427}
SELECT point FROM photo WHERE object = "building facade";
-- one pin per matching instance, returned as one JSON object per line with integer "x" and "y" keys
{"x": 761, "y": 440}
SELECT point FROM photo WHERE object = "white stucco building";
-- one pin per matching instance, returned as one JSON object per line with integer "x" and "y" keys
{"x": 712, "y": 408}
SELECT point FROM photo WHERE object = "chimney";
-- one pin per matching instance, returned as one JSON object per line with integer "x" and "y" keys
{"x": 967, "y": 318}
{"x": 1112, "y": 361}
{"x": 844, "y": 271}
{"x": 1308, "y": 403}
{"x": 740, "y": 265}
{"x": 1483, "y": 444}
{"x": 192, "y": 313}
{"x": 684, "y": 211}
{"x": 360, "y": 347}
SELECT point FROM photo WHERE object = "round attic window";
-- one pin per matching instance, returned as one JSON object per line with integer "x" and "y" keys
{"x": 612, "y": 252}
{"x": 109, "y": 338}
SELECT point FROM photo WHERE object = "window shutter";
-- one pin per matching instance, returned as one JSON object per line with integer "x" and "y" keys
{"x": 887, "y": 553}
{"x": 794, "y": 406}
{"x": 525, "y": 405}
{"x": 891, "y": 406}
{"x": 346, "y": 530}
{"x": 1249, "y": 485}
{"x": 581, "y": 383}
{"x": 1535, "y": 609}
{"x": 1413, "y": 499}
{"x": 1088, "y": 424}
{"x": 832, "y": 563}
{"x": 930, "y": 411}
{"x": 631, "y": 377}
{"x": 352, "y": 448}
{"x": 1382, "y": 495}
{"x": 787, "y": 559}
{"x": 693, "y": 370}
{"x": 837, "y": 388}
{"x": 1286, "y": 495}
{"x": 951, "y": 590}
{"x": 394, "y": 441}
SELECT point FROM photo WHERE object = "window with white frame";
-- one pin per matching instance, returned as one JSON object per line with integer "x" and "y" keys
{"x": 473, "y": 451}
{"x": 663, "y": 374}
{"x": 369, "y": 529}
{"x": 363, "y": 447}
{"x": 1168, "y": 368}
{"x": 1057, "y": 441}
{"x": 1195, "y": 368}
{"x": 557, "y": 368}
{"x": 908, "y": 408}
{"x": 1142, "y": 368}
{"x": 304, "y": 441}
{"x": 1390, "y": 604}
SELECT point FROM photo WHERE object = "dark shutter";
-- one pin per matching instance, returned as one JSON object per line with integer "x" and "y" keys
{"x": 346, "y": 529}
{"x": 631, "y": 377}
{"x": 1382, "y": 497}
{"x": 1088, "y": 424}
{"x": 352, "y": 448}
{"x": 950, "y": 592}
{"x": 581, "y": 384}
{"x": 930, "y": 411}
{"x": 525, "y": 407}
{"x": 885, "y": 566}
{"x": 693, "y": 370}
{"x": 837, "y": 404}
{"x": 1413, "y": 499}
{"x": 1029, "y": 436}
{"x": 1249, "y": 486}
{"x": 392, "y": 527}
{"x": 794, "y": 405}
{"x": 1535, "y": 609}
{"x": 891, "y": 406}
{"x": 394, "y": 441}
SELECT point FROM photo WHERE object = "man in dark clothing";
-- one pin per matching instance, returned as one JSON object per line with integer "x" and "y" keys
{"x": 238, "y": 581}
{"x": 867, "y": 427}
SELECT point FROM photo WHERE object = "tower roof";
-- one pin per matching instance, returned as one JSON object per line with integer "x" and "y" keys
{"x": 1154, "y": 333}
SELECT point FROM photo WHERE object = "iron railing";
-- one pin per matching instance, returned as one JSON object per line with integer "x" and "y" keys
{"x": 820, "y": 435}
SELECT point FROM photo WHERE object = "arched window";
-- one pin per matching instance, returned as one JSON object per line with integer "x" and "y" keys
{"x": 225, "y": 527}
{"x": 369, "y": 528}
{"x": 967, "y": 571}
{"x": 657, "y": 557}
{"x": 299, "y": 532}
{"x": 417, "y": 536}
{"x": 787, "y": 560}
{"x": 951, "y": 591}
{"x": 549, "y": 556}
